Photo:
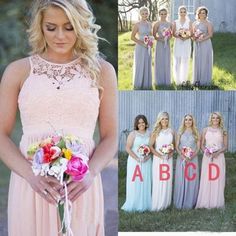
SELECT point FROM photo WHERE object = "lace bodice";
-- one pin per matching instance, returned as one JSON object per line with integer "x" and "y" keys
{"x": 202, "y": 27}
{"x": 60, "y": 97}
{"x": 164, "y": 137}
{"x": 187, "y": 139}
{"x": 214, "y": 137}
{"x": 144, "y": 29}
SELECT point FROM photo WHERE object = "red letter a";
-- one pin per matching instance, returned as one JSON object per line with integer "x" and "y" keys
{"x": 137, "y": 173}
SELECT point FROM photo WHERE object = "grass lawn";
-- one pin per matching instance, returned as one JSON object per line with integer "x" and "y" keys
{"x": 217, "y": 220}
{"x": 224, "y": 70}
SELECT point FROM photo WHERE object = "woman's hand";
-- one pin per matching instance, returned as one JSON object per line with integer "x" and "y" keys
{"x": 47, "y": 187}
{"x": 76, "y": 188}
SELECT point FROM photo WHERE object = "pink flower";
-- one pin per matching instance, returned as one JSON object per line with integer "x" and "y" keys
{"x": 77, "y": 168}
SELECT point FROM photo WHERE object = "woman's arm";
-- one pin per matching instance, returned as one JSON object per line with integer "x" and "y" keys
{"x": 133, "y": 36}
{"x": 108, "y": 127}
{"x": 177, "y": 140}
{"x": 224, "y": 148}
{"x": 155, "y": 32}
{"x": 197, "y": 148}
{"x": 129, "y": 144}
{"x": 12, "y": 81}
{"x": 152, "y": 142}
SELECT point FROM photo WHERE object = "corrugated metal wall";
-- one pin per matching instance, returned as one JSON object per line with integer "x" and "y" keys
{"x": 221, "y": 13}
{"x": 177, "y": 104}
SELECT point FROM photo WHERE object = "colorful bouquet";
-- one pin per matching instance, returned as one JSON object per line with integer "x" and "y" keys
{"x": 143, "y": 150}
{"x": 198, "y": 34}
{"x": 187, "y": 152}
{"x": 166, "y": 33}
{"x": 166, "y": 149}
{"x": 209, "y": 150}
{"x": 63, "y": 158}
{"x": 148, "y": 40}
{"x": 183, "y": 33}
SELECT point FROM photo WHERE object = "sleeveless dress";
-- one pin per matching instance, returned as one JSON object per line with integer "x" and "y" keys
{"x": 162, "y": 58}
{"x": 186, "y": 191}
{"x": 211, "y": 192}
{"x": 62, "y": 96}
{"x": 142, "y": 68}
{"x": 138, "y": 193}
{"x": 182, "y": 51}
{"x": 162, "y": 189}
{"x": 202, "y": 57}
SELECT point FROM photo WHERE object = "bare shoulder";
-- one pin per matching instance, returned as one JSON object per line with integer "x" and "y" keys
{"x": 17, "y": 71}
{"x": 107, "y": 74}
{"x": 204, "y": 130}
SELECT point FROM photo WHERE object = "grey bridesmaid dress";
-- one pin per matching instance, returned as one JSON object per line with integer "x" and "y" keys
{"x": 162, "y": 58}
{"x": 202, "y": 58}
{"x": 185, "y": 191}
{"x": 142, "y": 69}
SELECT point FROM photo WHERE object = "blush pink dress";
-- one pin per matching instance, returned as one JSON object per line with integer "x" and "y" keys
{"x": 211, "y": 192}
{"x": 60, "y": 97}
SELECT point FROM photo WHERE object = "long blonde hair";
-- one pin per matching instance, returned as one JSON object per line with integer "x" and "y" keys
{"x": 221, "y": 125}
{"x": 82, "y": 20}
{"x": 182, "y": 127}
{"x": 157, "y": 127}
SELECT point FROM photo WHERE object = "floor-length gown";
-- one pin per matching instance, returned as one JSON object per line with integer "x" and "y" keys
{"x": 182, "y": 51}
{"x": 211, "y": 192}
{"x": 60, "y": 97}
{"x": 162, "y": 57}
{"x": 138, "y": 193}
{"x": 186, "y": 191}
{"x": 162, "y": 189}
{"x": 202, "y": 57}
{"x": 142, "y": 68}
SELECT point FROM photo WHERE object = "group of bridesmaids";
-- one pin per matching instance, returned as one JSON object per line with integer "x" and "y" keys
{"x": 183, "y": 30}
{"x": 146, "y": 190}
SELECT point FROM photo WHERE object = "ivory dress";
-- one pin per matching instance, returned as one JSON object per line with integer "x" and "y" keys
{"x": 62, "y": 96}
{"x": 182, "y": 52}
{"x": 162, "y": 189}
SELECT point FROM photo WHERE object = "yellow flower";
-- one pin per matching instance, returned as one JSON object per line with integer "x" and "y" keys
{"x": 67, "y": 153}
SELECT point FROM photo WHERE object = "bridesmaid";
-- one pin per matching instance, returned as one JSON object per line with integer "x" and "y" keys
{"x": 203, "y": 52}
{"x": 162, "y": 189}
{"x": 162, "y": 53}
{"x": 211, "y": 192}
{"x": 138, "y": 193}
{"x": 182, "y": 46}
{"x": 142, "y": 69}
{"x": 186, "y": 191}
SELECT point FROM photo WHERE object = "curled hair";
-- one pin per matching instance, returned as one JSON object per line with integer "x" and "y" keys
{"x": 83, "y": 23}
{"x": 182, "y": 127}
{"x": 199, "y": 9}
{"x": 136, "y": 121}
{"x": 157, "y": 127}
{"x": 142, "y": 9}
{"x": 162, "y": 9}
{"x": 221, "y": 124}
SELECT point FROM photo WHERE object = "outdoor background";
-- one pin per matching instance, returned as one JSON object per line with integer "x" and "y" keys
{"x": 222, "y": 14}
{"x": 177, "y": 104}
{"x": 13, "y": 45}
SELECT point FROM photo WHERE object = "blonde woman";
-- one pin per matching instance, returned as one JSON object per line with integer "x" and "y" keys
{"x": 142, "y": 68}
{"x": 214, "y": 143}
{"x": 66, "y": 85}
{"x": 186, "y": 171}
{"x": 162, "y": 169}
{"x": 203, "y": 51}
{"x": 182, "y": 31}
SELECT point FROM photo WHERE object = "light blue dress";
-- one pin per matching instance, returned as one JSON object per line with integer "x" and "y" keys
{"x": 186, "y": 192}
{"x": 138, "y": 193}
